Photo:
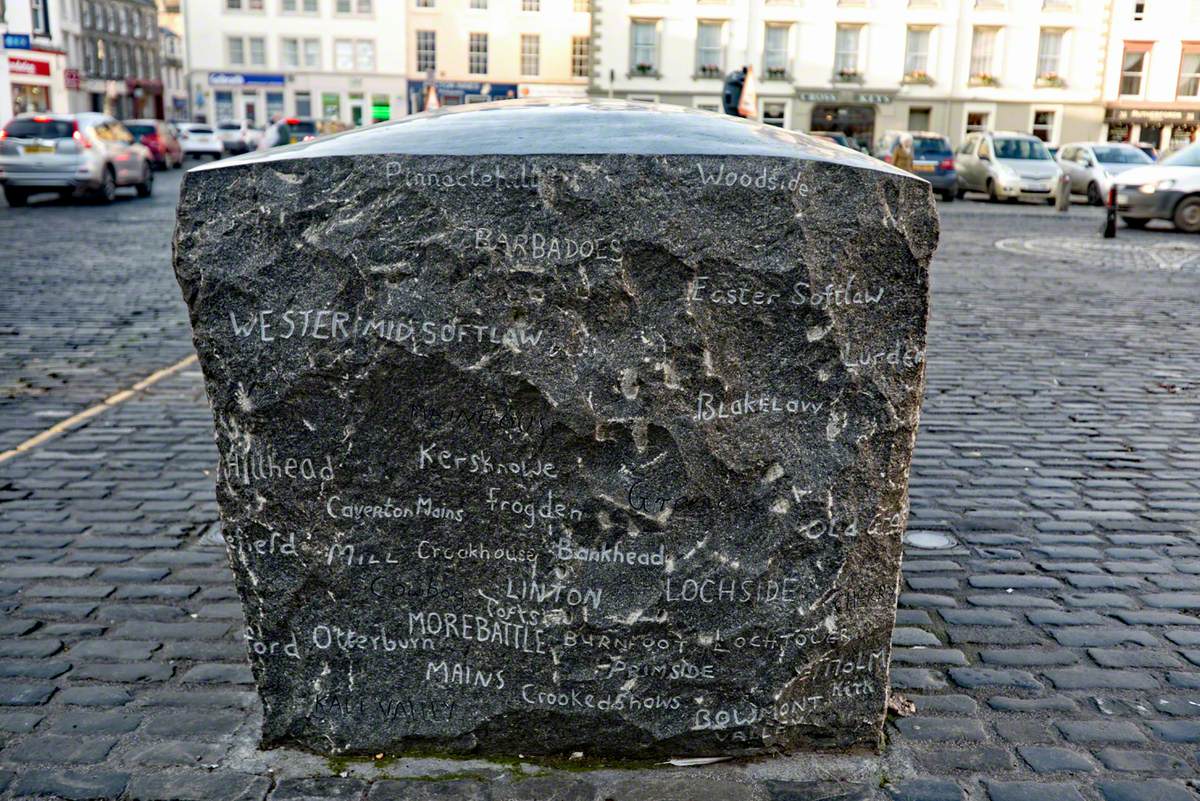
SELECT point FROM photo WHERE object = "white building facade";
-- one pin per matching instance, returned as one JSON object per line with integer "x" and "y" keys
{"x": 1152, "y": 73}
{"x": 33, "y": 58}
{"x": 866, "y": 66}
{"x": 341, "y": 61}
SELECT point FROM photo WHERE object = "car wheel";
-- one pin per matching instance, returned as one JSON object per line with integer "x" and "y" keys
{"x": 1093, "y": 195}
{"x": 949, "y": 195}
{"x": 1187, "y": 215}
{"x": 1134, "y": 222}
{"x": 146, "y": 187}
{"x": 108, "y": 186}
{"x": 178, "y": 162}
{"x": 16, "y": 197}
{"x": 959, "y": 192}
{"x": 991, "y": 191}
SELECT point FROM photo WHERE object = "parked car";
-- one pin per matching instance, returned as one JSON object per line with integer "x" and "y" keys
{"x": 1091, "y": 166}
{"x": 288, "y": 132}
{"x": 1166, "y": 190}
{"x": 198, "y": 139}
{"x": 1149, "y": 150}
{"x": 71, "y": 154}
{"x": 933, "y": 159}
{"x": 1012, "y": 166}
{"x": 238, "y": 136}
{"x": 162, "y": 142}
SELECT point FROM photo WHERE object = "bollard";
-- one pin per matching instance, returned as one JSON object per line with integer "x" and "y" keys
{"x": 1110, "y": 214}
{"x": 563, "y": 426}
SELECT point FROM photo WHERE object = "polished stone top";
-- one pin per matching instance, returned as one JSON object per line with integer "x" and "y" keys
{"x": 567, "y": 126}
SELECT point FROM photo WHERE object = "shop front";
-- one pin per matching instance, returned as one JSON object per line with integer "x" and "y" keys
{"x": 1167, "y": 126}
{"x": 254, "y": 96}
{"x": 456, "y": 93}
{"x": 851, "y": 112}
{"x": 32, "y": 76}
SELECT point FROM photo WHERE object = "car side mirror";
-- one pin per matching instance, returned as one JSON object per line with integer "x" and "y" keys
{"x": 983, "y": 157}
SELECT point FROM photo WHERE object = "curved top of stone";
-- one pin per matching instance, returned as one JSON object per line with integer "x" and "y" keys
{"x": 570, "y": 127}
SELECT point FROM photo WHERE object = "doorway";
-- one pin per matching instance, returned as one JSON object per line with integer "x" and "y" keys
{"x": 856, "y": 122}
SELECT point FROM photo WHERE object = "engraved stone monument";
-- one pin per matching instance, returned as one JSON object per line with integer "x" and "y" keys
{"x": 556, "y": 427}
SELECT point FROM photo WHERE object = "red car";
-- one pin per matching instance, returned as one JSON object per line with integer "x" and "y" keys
{"x": 156, "y": 135}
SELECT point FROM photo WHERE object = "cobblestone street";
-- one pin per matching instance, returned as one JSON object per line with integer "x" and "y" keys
{"x": 1049, "y": 623}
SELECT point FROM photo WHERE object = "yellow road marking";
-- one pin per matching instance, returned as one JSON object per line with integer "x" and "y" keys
{"x": 113, "y": 400}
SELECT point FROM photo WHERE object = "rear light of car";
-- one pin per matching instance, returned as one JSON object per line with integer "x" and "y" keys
{"x": 946, "y": 164}
{"x": 292, "y": 121}
{"x": 78, "y": 136}
{"x": 3, "y": 134}
{"x": 888, "y": 158}
{"x": 41, "y": 119}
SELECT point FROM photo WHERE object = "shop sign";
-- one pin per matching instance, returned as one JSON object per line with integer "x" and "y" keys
{"x": 28, "y": 66}
{"x": 16, "y": 41}
{"x": 865, "y": 97}
{"x": 818, "y": 97}
{"x": 1153, "y": 116}
{"x": 72, "y": 78}
{"x": 245, "y": 79}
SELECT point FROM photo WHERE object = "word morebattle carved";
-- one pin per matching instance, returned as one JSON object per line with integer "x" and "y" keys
{"x": 563, "y": 426}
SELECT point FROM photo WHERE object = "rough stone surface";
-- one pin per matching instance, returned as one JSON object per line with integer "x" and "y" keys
{"x": 528, "y": 446}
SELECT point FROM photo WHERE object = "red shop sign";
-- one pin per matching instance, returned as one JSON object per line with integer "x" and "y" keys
{"x": 28, "y": 66}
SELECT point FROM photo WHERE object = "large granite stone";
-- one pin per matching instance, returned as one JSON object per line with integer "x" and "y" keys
{"x": 563, "y": 427}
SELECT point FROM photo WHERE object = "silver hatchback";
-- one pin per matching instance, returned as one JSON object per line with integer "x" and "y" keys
{"x": 71, "y": 155}
{"x": 1009, "y": 166}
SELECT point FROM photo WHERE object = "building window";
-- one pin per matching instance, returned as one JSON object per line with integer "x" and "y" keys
{"x": 39, "y": 10}
{"x": 983, "y": 56}
{"x": 845, "y": 53}
{"x": 425, "y": 3}
{"x": 237, "y": 50}
{"x": 916, "y": 55}
{"x": 479, "y": 4}
{"x": 643, "y": 47}
{"x": 1043, "y": 125}
{"x": 584, "y": 6}
{"x": 303, "y": 104}
{"x": 364, "y": 55}
{"x": 978, "y": 121}
{"x": 531, "y": 5}
{"x": 343, "y": 55}
{"x": 1049, "y": 57}
{"x": 223, "y": 104}
{"x": 426, "y": 51}
{"x": 1133, "y": 67}
{"x": 289, "y": 52}
{"x": 581, "y": 50}
{"x": 773, "y": 113}
{"x": 775, "y": 52}
{"x": 1189, "y": 71}
{"x": 293, "y": 6}
{"x": 1139, "y": 10}
{"x": 708, "y": 49}
{"x": 312, "y": 53}
{"x": 258, "y": 51}
{"x": 531, "y": 53}
{"x": 477, "y": 56}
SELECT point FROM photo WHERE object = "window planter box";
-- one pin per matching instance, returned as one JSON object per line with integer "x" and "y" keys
{"x": 919, "y": 77}
{"x": 983, "y": 79}
{"x": 776, "y": 74}
{"x": 847, "y": 76}
{"x": 643, "y": 71}
{"x": 708, "y": 71}
{"x": 1051, "y": 80}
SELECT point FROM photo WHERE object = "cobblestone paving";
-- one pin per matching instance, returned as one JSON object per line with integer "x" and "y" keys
{"x": 1048, "y": 630}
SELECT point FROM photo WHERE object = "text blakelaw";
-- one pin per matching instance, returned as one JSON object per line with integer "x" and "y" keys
{"x": 550, "y": 426}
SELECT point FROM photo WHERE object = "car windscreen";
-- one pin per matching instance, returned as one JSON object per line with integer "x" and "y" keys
{"x": 40, "y": 129}
{"x": 141, "y": 130}
{"x": 931, "y": 147}
{"x": 200, "y": 129}
{"x": 1027, "y": 149}
{"x": 1111, "y": 154}
{"x": 1188, "y": 157}
{"x": 228, "y": 126}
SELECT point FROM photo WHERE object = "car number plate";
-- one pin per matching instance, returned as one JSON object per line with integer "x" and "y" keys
{"x": 36, "y": 149}
{"x": 1121, "y": 198}
{"x": 924, "y": 167}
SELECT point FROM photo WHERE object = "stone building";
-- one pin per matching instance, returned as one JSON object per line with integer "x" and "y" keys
{"x": 342, "y": 61}
{"x": 480, "y": 50}
{"x": 865, "y": 66}
{"x": 113, "y": 52}
{"x": 1152, "y": 75}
